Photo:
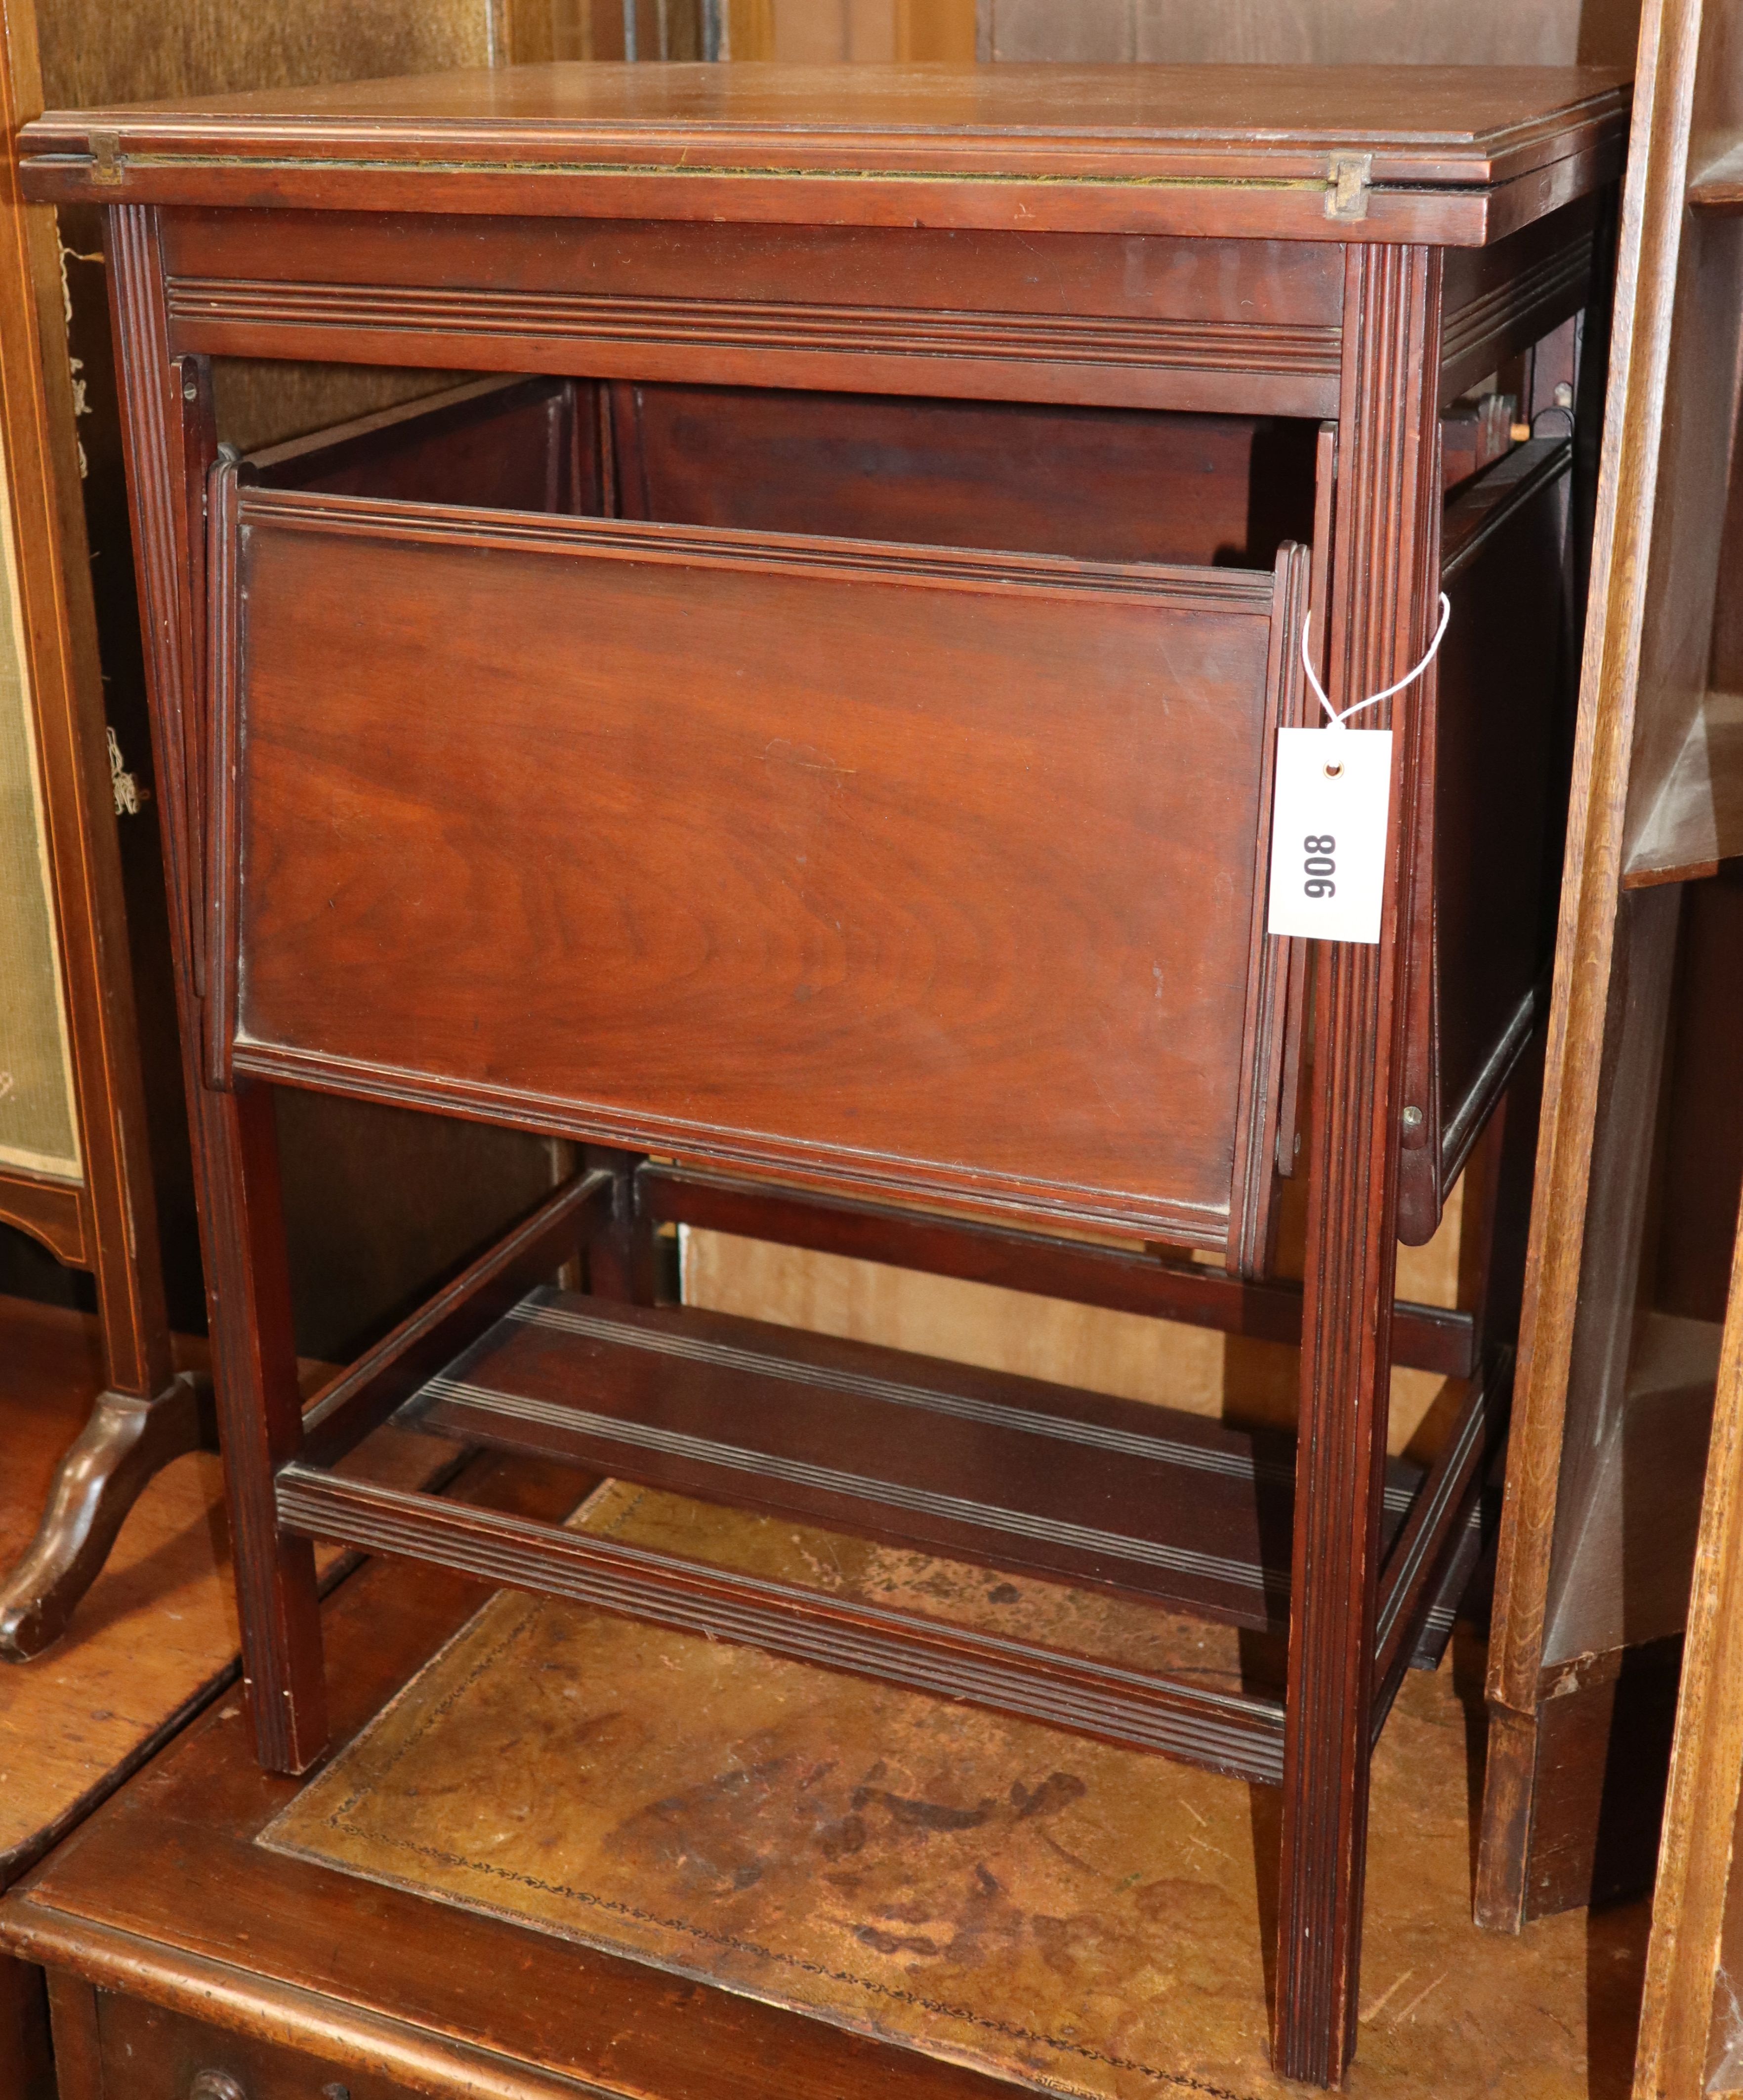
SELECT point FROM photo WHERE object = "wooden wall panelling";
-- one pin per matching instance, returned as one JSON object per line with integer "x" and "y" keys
{"x": 1617, "y": 1364}
{"x": 1088, "y": 32}
{"x": 148, "y": 1414}
{"x": 1311, "y": 31}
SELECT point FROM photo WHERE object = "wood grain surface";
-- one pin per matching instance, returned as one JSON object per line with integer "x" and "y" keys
{"x": 771, "y": 875}
{"x": 1687, "y": 2027}
{"x": 1490, "y": 151}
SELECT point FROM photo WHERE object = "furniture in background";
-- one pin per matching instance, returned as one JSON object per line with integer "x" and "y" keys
{"x": 798, "y": 832}
{"x": 1641, "y": 1154}
{"x": 75, "y": 1165}
{"x": 1691, "y": 2043}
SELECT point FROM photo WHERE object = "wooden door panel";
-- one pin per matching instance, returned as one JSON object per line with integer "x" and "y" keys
{"x": 863, "y": 860}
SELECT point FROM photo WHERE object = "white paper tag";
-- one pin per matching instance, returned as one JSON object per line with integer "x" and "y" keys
{"x": 1328, "y": 833}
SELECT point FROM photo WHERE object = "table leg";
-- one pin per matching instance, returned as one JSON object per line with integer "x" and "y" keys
{"x": 260, "y": 1423}
{"x": 1385, "y": 563}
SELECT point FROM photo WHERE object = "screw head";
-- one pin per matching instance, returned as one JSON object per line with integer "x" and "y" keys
{"x": 1413, "y": 1119}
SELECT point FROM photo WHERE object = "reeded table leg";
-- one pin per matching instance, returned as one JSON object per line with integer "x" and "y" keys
{"x": 1386, "y": 563}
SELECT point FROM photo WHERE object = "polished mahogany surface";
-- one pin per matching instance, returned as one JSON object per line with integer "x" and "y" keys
{"x": 1430, "y": 123}
{"x": 1125, "y": 132}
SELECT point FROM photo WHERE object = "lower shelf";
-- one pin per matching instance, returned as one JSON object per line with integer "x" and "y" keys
{"x": 1150, "y": 1500}
{"x": 1035, "y": 1479}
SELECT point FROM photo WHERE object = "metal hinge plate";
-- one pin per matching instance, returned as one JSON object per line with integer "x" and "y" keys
{"x": 1347, "y": 185}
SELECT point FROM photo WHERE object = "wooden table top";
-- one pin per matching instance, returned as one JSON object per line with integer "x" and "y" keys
{"x": 1007, "y": 128}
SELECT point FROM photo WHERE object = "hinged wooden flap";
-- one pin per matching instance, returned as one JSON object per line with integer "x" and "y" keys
{"x": 925, "y": 868}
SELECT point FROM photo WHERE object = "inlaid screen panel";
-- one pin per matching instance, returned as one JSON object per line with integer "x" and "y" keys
{"x": 38, "y": 1132}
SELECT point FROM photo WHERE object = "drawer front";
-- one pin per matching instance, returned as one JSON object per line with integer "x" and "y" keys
{"x": 150, "y": 2054}
{"x": 917, "y": 867}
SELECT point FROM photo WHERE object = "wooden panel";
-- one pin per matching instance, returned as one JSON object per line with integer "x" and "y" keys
{"x": 508, "y": 444}
{"x": 381, "y": 1204}
{"x": 1153, "y": 323}
{"x": 943, "y": 1248}
{"x": 27, "y": 2063}
{"x": 1617, "y": 1221}
{"x": 1106, "y": 486}
{"x": 1105, "y": 32}
{"x": 1695, "y": 821}
{"x": 1312, "y": 32}
{"x": 1502, "y": 694}
{"x": 56, "y": 1213}
{"x": 158, "y": 48}
{"x": 1603, "y": 1754}
{"x": 1625, "y": 1578}
{"x": 756, "y": 870}
{"x": 1501, "y": 300}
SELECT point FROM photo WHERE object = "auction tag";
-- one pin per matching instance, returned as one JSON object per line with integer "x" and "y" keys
{"x": 1328, "y": 833}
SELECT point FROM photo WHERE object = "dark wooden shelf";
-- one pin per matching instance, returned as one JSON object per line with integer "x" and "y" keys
{"x": 1034, "y": 1479}
{"x": 1038, "y": 1480}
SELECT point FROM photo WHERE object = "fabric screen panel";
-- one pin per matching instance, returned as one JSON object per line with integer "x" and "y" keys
{"x": 39, "y": 1126}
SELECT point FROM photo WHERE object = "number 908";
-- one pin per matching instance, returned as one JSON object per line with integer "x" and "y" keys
{"x": 1320, "y": 866}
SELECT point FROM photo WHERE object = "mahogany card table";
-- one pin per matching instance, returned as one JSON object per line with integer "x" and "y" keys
{"x": 793, "y": 711}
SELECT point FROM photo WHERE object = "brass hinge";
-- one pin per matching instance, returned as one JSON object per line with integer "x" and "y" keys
{"x": 105, "y": 146}
{"x": 1347, "y": 185}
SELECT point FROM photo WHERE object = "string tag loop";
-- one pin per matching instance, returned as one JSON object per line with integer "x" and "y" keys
{"x": 1409, "y": 677}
